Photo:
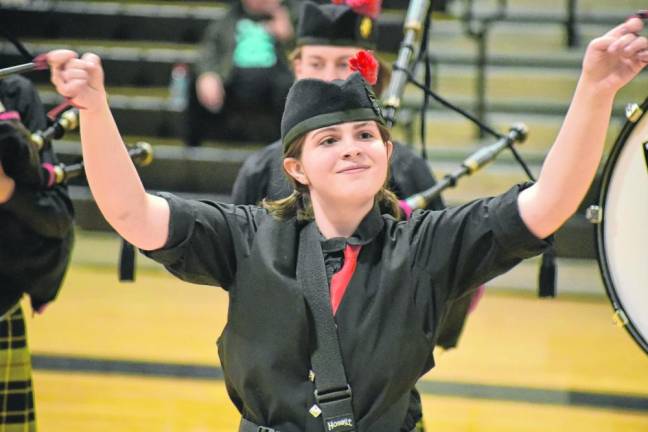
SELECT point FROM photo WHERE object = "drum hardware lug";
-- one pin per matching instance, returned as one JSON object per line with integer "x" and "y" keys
{"x": 633, "y": 112}
{"x": 594, "y": 214}
{"x": 620, "y": 318}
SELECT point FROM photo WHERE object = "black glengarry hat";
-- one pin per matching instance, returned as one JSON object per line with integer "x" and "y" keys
{"x": 333, "y": 24}
{"x": 312, "y": 104}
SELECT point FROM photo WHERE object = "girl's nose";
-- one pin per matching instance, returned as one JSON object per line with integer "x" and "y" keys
{"x": 330, "y": 74}
{"x": 351, "y": 151}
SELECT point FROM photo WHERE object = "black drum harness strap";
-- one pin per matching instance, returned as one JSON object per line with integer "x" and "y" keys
{"x": 332, "y": 390}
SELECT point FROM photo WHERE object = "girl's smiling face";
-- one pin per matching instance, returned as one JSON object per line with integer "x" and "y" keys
{"x": 343, "y": 163}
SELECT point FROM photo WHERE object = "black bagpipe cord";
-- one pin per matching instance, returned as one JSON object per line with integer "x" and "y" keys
{"x": 424, "y": 56}
{"x": 548, "y": 272}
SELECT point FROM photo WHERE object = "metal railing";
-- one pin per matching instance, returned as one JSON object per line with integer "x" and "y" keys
{"x": 478, "y": 27}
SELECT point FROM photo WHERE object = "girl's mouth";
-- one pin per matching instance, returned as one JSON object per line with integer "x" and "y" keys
{"x": 354, "y": 169}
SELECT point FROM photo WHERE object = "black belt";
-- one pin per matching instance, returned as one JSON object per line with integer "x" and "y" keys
{"x": 248, "y": 426}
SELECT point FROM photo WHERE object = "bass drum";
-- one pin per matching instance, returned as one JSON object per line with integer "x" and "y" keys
{"x": 622, "y": 234}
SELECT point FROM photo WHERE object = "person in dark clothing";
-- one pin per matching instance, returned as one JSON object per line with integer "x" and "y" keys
{"x": 327, "y": 37}
{"x": 241, "y": 74}
{"x": 320, "y": 281}
{"x": 36, "y": 238}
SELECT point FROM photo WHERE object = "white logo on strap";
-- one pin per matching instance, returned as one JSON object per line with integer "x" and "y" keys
{"x": 333, "y": 424}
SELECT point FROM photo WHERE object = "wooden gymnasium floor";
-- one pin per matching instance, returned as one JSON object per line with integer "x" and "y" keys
{"x": 142, "y": 357}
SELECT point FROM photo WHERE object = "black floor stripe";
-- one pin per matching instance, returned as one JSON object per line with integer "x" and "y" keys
{"x": 124, "y": 367}
{"x": 534, "y": 396}
{"x": 437, "y": 388}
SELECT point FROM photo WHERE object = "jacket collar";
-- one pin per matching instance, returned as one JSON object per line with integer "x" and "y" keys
{"x": 368, "y": 229}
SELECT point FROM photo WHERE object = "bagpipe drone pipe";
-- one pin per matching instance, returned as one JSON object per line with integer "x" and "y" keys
{"x": 20, "y": 150}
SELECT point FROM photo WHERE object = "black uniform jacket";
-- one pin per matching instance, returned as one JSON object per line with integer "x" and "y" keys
{"x": 406, "y": 274}
{"x": 262, "y": 176}
{"x": 36, "y": 232}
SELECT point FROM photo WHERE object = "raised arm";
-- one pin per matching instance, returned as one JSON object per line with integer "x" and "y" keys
{"x": 139, "y": 217}
{"x": 610, "y": 62}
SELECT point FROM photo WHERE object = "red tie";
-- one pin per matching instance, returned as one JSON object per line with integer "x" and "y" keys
{"x": 340, "y": 280}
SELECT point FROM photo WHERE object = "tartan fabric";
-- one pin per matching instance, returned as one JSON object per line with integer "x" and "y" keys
{"x": 16, "y": 394}
{"x": 420, "y": 427}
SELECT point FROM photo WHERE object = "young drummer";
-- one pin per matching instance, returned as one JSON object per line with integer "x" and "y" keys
{"x": 279, "y": 263}
{"x": 329, "y": 37}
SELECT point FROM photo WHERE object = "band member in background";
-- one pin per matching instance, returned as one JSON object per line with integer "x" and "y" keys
{"x": 324, "y": 268}
{"x": 36, "y": 236}
{"x": 241, "y": 74}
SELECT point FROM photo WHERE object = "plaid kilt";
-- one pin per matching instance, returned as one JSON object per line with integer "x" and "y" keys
{"x": 16, "y": 395}
{"x": 420, "y": 427}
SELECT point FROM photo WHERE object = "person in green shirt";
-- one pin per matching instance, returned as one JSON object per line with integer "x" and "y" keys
{"x": 241, "y": 73}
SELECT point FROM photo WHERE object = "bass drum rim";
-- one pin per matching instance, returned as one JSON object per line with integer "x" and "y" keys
{"x": 601, "y": 256}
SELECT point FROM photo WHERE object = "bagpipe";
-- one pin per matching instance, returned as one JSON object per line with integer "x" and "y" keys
{"x": 20, "y": 156}
{"x": 414, "y": 52}
{"x": 21, "y": 150}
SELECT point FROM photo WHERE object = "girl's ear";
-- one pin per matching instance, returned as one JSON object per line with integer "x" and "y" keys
{"x": 390, "y": 149}
{"x": 295, "y": 169}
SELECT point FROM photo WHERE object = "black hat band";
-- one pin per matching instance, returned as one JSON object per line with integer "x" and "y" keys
{"x": 329, "y": 119}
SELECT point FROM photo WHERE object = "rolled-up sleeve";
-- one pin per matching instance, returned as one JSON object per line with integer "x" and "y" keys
{"x": 205, "y": 240}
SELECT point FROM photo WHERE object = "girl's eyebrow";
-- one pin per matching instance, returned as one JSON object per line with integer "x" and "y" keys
{"x": 325, "y": 130}
{"x": 336, "y": 128}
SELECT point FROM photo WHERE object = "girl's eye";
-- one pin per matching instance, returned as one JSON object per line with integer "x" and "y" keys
{"x": 366, "y": 135}
{"x": 343, "y": 66}
{"x": 316, "y": 65}
{"x": 328, "y": 141}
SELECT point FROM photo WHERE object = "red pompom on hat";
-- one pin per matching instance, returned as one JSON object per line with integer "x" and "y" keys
{"x": 365, "y": 63}
{"x": 370, "y": 8}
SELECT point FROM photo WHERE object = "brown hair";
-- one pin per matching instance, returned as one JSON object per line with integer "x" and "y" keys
{"x": 384, "y": 71}
{"x": 298, "y": 203}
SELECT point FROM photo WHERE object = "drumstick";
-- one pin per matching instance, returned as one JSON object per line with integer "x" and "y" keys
{"x": 39, "y": 63}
